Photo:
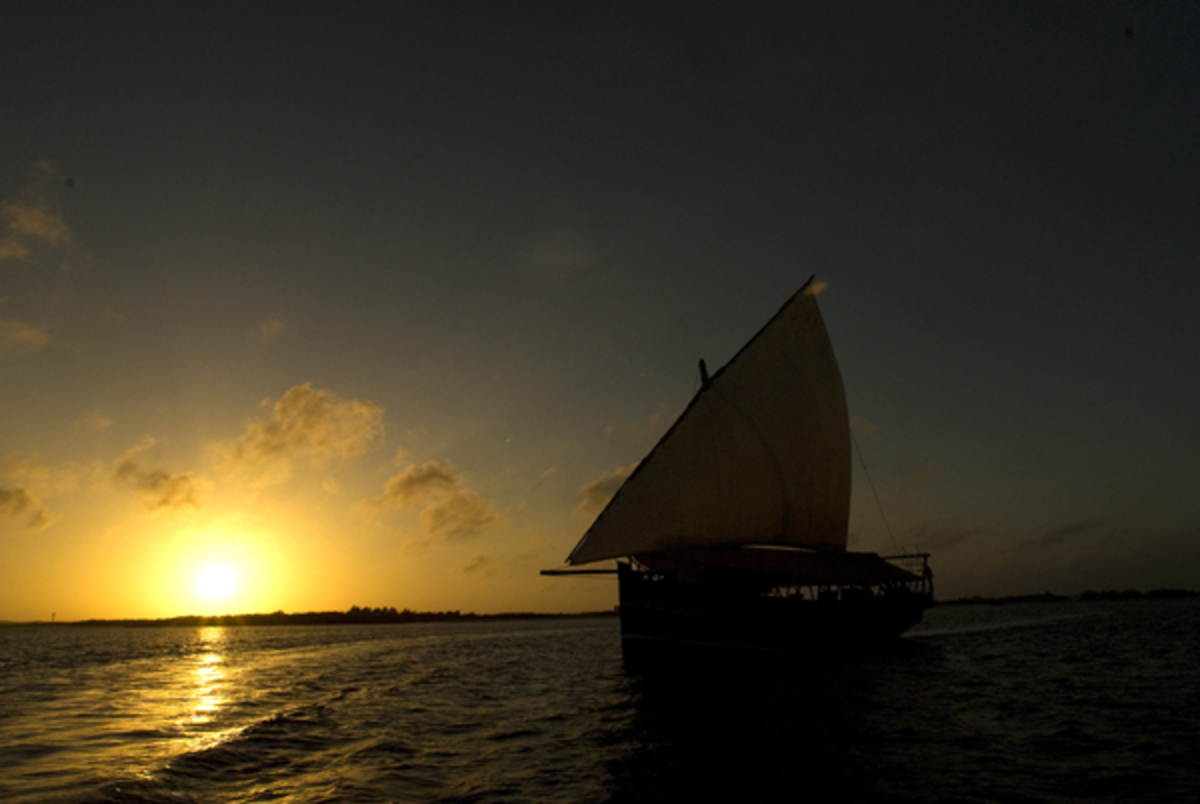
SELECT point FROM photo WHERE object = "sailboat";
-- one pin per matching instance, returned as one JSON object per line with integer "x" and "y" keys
{"x": 731, "y": 533}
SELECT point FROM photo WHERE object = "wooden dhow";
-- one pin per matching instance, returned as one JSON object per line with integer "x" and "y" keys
{"x": 731, "y": 533}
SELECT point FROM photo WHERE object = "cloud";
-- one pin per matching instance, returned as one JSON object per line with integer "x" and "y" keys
{"x": 98, "y": 421}
{"x": 306, "y": 425}
{"x": 862, "y": 424}
{"x": 463, "y": 514}
{"x": 20, "y": 504}
{"x": 108, "y": 322}
{"x": 272, "y": 329}
{"x": 26, "y": 484}
{"x": 415, "y": 547}
{"x": 543, "y": 477}
{"x": 557, "y": 257}
{"x": 18, "y": 339}
{"x": 11, "y": 249}
{"x": 450, "y": 508}
{"x": 158, "y": 488}
{"x": 560, "y": 252}
{"x": 941, "y": 535}
{"x": 45, "y": 481}
{"x": 916, "y": 481}
{"x": 597, "y": 493}
{"x": 614, "y": 434}
{"x": 32, "y": 222}
{"x": 1067, "y": 532}
{"x": 413, "y": 483}
{"x": 478, "y": 563}
{"x": 32, "y": 230}
{"x": 29, "y": 223}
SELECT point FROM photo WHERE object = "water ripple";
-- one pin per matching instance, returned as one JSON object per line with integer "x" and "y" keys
{"x": 1052, "y": 702}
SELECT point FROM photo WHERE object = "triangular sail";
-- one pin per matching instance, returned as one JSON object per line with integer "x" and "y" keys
{"x": 760, "y": 456}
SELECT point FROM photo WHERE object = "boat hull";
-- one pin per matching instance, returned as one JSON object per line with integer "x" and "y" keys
{"x": 662, "y": 614}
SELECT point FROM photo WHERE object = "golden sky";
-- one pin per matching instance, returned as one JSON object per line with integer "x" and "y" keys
{"x": 376, "y": 306}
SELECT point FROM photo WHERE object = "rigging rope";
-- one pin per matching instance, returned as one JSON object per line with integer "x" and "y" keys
{"x": 875, "y": 494}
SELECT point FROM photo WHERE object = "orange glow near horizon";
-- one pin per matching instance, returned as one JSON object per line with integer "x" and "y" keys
{"x": 230, "y": 565}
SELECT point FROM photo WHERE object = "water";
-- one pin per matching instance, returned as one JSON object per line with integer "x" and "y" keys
{"x": 1041, "y": 702}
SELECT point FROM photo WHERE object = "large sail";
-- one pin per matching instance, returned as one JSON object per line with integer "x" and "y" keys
{"x": 760, "y": 456}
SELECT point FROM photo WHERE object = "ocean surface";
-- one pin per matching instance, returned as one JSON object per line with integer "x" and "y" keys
{"x": 1096, "y": 701}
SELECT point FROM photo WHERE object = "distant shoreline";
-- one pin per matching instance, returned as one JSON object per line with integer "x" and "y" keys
{"x": 354, "y": 616}
{"x": 1050, "y": 597}
{"x": 384, "y": 616}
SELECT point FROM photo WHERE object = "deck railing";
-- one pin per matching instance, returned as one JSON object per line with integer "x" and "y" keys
{"x": 918, "y": 565}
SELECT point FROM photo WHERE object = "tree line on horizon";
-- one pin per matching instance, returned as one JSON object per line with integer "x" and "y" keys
{"x": 355, "y": 615}
{"x": 1090, "y": 594}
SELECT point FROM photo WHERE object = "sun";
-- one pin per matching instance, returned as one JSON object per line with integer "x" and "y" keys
{"x": 216, "y": 582}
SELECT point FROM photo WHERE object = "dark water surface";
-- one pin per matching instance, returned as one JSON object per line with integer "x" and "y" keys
{"x": 1040, "y": 702}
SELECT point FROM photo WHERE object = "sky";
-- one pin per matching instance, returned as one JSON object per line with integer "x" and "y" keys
{"x": 372, "y": 304}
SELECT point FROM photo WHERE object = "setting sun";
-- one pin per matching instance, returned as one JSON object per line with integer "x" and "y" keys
{"x": 216, "y": 582}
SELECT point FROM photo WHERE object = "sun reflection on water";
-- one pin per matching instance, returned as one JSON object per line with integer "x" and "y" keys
{"x": 209, "y": 677}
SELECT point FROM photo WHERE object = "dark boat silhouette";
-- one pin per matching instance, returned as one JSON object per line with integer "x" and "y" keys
{"x": 731, "y": 533}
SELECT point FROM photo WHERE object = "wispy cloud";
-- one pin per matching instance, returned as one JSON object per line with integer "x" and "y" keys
{"x": 11, "y": 249}
{"x": 272, "y": 329}
{"x": 98, "y": 421}
{"x": 29, "y": 224}
{"x": 307, "y": 425}
{"x": 27, "y": 484}
{"x": 408, "y": 487}
{"x": 651, "y": 426}
{"x": 450, "y": 508}
{"x": 557, "y": 257}
{"x": 862, "y": 424}
{"x": 916, "y": 481}
{"x": 1066, "y": 532}
{"x": 21, "y": 504}
{"x": 543, "y": 477}
{"x": 595, "y": 495}
{"x": 941, "y": 535}
{"x": 34, "y": 223}
{"x": 415, "y": 547}
{"x": 157, "y": 487}
{"x": 18, "y": 339}
{"x": 109, "y": 321}
{"x": 480, "y": 564}
{"x": 463, "y": 514}
{"x": 33, "y": 232}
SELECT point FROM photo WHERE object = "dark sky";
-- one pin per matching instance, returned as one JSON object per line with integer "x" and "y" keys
{"x": 481, "y": 245}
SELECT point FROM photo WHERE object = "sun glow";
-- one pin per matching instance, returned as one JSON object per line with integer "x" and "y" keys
{"x": 216, "y": 582}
